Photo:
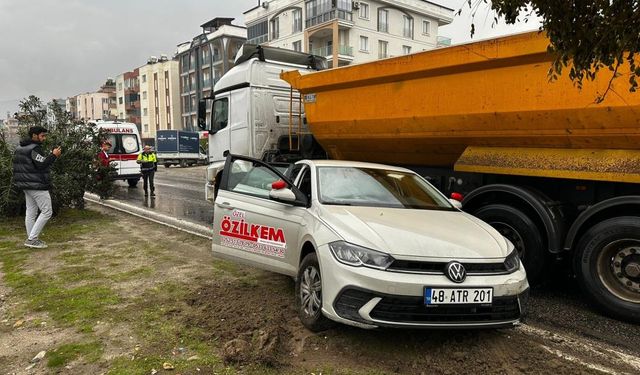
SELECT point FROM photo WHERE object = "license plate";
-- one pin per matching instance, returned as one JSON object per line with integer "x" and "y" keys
{"x": 458, "y": 296}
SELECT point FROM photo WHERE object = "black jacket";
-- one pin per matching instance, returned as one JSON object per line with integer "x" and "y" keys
{"x": 31, "y": 167}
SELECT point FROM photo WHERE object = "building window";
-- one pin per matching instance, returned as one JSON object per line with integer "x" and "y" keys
{"x": 144, "y": 95}
{"x": 407, "y": 30}
{"x": 383, "y": 49}
{"x": 383, "y": 20}
{"x": 406, "y": 50}
{"x": 364, "y": 43}
{"x": 258, "y": 33}
{"x": 120, "y": 100}
{"x": 145, "y": 112}
{"x": 185, "y": 62}
{"x": 297, "y": 20}
{"x": 363, "y": 12}
{"x": 119, "y": 86}
{"x": 146, "y": 128}
{"x": 275, "y": 28}
{"x": 297, "y": 46}
{"x": 144, "y": 78}
{"x": 426, "y": 27}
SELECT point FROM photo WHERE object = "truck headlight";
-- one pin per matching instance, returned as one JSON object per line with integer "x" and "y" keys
{"x": 357, "y": 256}
{"x": 512, "y": 261}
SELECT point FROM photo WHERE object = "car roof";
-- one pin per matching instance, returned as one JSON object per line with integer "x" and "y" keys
{"x": 356, "y": 164}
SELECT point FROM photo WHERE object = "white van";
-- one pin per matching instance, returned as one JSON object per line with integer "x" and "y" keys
{"x": 125, "y": 148}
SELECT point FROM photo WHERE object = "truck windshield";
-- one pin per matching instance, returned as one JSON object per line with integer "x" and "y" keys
{"x": 353, "y": 186}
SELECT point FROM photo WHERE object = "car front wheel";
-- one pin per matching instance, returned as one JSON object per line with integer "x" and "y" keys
{"x": 309, "y": 295}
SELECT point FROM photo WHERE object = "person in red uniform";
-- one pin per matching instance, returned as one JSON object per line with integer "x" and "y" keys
{"x": 103, "y": 156}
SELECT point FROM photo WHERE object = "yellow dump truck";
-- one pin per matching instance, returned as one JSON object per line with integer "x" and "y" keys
{"x": 554, "y": 171}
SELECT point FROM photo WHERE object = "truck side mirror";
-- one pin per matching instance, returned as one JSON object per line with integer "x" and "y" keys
{"x": 202, "y": 114}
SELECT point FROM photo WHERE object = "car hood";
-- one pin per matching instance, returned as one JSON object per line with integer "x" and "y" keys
{"x": 416, "y": 233}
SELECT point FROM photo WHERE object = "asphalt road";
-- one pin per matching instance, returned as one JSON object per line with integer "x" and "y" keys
{"x": 179, "y": 193}
{"x": 558, "y": 306}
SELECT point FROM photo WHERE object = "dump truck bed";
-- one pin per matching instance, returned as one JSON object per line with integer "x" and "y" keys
{"x": 480, "y": 107}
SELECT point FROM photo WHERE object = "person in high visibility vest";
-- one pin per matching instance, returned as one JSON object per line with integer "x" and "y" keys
{"x": 148, "y": 166}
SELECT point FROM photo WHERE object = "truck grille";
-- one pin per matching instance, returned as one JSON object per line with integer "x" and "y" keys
{"x": 439, "y": 267}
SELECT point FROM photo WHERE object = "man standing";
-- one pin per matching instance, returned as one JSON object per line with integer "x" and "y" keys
{"x": 31, "y": 174}
{"x": 148, "y": 165}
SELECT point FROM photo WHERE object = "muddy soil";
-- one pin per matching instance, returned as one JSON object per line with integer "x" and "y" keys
{"x": 247, "y": 319}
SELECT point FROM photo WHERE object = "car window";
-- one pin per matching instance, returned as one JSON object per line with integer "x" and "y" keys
{"x": 304, "y": 182}
{"x": 250, "y": 178}
{"x": 375, "y": 187}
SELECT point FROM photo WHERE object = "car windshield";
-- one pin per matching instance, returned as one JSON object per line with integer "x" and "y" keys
{"x": 354, "y": 186}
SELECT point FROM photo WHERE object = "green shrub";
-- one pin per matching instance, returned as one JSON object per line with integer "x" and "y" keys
{"x": 75, "y": 171}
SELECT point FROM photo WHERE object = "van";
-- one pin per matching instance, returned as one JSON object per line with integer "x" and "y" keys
{"x": 126, "y": 145}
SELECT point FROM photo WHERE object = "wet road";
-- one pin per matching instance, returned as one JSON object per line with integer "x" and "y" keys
{"x": 557, "y": 306}
{"x": 179, "y": 193}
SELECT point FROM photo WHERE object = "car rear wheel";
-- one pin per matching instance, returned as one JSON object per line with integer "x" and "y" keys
{"x": 133, "y": 182}
{"x": 518, "y": 228}
{"x": 309, "y": 295}
{"x": 607, "y": 263}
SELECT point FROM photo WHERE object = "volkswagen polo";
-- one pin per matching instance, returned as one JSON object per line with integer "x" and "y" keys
{"x": 369, "y": 245}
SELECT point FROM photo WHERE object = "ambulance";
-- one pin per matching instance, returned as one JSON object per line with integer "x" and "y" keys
{"x": 126, "y": 145}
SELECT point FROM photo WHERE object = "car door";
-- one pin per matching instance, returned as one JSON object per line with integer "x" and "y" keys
{"x": 251, "y": 227}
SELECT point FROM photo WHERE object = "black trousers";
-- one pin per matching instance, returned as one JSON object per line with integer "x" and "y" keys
{"x": 147, "y": 177}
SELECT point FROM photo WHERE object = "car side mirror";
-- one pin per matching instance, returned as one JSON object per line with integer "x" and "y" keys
{"x": 455, "y": 203}
{"x": 283, "y": 195}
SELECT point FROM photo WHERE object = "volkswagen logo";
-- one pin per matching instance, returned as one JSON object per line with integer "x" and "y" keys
{"x": 455, "y": 272}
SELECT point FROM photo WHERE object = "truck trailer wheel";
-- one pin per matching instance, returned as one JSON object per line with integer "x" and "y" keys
{"x": 522, "y": 232}
{"x": 167, "y": 165}
{"x": 133, "y": 182}
{"x": 607, "y": 263}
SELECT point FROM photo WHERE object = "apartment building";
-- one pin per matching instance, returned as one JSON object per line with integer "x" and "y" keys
{"x": 159, "y": 97}
{"x": 346, "y": 31}
{"x": 203, "y": 61}
{"x": 99, "y": 105}
{"x": 128, "y": 97}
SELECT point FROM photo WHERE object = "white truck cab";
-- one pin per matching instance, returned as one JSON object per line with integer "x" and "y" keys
{"x": 255, "y": 113}
{"x": 126, "y": 145}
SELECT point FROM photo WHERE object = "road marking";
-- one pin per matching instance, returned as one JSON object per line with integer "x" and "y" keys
{"x": 570, "y": 358}
{"x": 583, "y": 345}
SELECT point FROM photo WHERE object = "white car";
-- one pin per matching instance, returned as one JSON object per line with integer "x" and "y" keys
{"x": 369, "y": 245}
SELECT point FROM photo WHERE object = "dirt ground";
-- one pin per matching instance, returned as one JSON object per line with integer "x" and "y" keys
{"x": 117, "y": 294}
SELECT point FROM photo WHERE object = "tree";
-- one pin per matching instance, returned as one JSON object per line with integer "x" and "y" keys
{"x": 586, "y": 36}
{"x": 73, "y": 173}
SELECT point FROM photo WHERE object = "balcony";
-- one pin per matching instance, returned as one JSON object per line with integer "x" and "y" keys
{"x": 327, "y": 51}
{"x": 329, "y": 16}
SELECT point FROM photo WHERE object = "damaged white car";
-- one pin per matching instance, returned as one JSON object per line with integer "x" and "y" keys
{"x": 369, "y": 245}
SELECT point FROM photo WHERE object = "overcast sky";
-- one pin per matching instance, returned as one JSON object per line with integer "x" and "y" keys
{"x": 56, "y": 49}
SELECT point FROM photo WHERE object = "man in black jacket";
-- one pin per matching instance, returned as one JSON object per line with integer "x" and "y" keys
{"x": 31, "y": 175}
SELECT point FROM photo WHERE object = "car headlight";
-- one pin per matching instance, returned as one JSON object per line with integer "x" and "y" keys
{"x": 512, "y": 261}
{"x": 357, "y": 256}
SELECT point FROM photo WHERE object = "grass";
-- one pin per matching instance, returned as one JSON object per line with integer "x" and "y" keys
{"x": 61, "y": 356}
{"x": 76, "y": 284}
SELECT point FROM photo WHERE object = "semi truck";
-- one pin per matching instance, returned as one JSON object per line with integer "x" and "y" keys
{"x": 179, "y": 147}
{"x": 553, "y": 169}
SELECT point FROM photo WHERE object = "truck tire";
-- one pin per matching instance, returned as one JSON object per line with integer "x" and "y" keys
{"x": 607, "y": 263}
{"x": 167, "y": 165}
{"x": 308, "y": 297}
{"x": 183, "y": 163}
{"x": 522, "y": 232}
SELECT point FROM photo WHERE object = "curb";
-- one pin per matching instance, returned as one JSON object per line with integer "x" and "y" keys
{"x": 171, "y": 222}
